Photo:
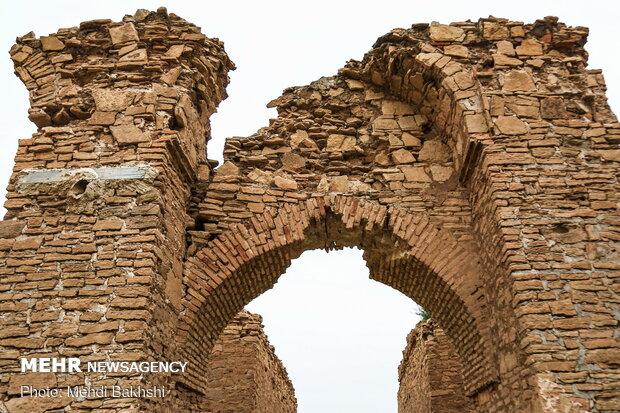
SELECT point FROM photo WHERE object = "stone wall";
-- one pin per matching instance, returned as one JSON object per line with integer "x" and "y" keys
{"x": 430, "y": 374}
{"x": 244, "y": 374}
{"x": 92, "y": 245}
{"x": 475, "y": 163}
{"x": 453, "y": 155}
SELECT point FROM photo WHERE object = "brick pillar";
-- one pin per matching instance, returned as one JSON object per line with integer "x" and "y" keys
{"x": 430, "y": 374}
{"x": 540, "y": 163}
{"x": 244, "y": 374}
{"x": 91, "y": 248}
{"x": 546, "y": 209}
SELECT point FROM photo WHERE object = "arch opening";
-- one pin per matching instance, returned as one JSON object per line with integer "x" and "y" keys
{"x": 401, "y": 250}
{"x": 339, "y": 334}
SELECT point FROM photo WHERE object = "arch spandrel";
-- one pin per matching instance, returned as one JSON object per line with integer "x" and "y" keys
{"x": 403, "y": 250}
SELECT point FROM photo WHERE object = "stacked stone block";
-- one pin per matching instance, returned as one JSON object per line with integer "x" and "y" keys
{"x": 475, "y": 163}
{"x": 93, "y": 243}
{"x": 244, "y": 374}
{"x": 495, "y": 131}
{"x": 430, "y": 374}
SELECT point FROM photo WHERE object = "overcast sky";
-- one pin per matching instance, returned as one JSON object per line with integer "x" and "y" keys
{"x": 339, "y": 334}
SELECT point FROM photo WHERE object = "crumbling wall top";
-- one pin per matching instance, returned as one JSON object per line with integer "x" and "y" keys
{"x": 66, "y": 71}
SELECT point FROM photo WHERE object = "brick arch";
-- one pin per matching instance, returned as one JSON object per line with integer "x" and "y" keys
{"x": 402, "y": 249}
{"x": 409, "y": 71}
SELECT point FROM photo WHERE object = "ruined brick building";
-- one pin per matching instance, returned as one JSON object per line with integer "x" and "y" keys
{"x": 476, "y": 164}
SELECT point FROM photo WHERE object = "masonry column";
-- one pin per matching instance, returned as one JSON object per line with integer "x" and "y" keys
{"x": 91, "y": 248}
{"x": 430, "y": 374}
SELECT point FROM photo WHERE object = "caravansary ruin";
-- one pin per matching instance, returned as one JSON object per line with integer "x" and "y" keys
{"x": 476, "y": 164}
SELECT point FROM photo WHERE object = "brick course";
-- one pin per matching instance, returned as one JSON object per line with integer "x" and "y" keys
{"x": 244, "y": 374}
{"x": 430, "y": 374}
{"x": 475, "y": 163}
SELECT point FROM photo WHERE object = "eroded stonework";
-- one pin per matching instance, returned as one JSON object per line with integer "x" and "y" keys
{"x": 476, "y": 164}
{"x": 244, "y": 374}
{"x": 430, "y": 374}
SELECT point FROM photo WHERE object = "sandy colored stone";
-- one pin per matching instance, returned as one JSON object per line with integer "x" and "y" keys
{"x": 510, "y": 125}
{"x": 292, "y": 161}
{"x": 445, "y": 33}
{"x": 128, "y": 134}
{"x": 408, "y": 123}
{"x": 518, "y": 80}
{"x": 604, "y": 357}
{"x": 435, "y": 151}
{"x": 108, "y": 225}
{"x": 441, "y": 173}
{"x": 139, "y": 55}
{"x": 610, "y": 155}
{"x": 385, "y": 123}
{"x": 30, "y": 243}
{"x": 228, "y": 169}
{"x": 285, "y": 183}
{"x": 553, "y": 108}
{"x": 11, "y": 229}
{"x": 339, "y": 184}
{"x": 476, "y": 123}
{"x": 124, "y": 33}
{"x": 529, "y": 47}
{"x": 354, "y": 84}
{"x": 415, "y": 174}
{"x": 524, "y": 111}
{"x": 298, "y": 138}
{"x": 495, "y": 31}
{"x": 562, "y": 307}
{"x": 395, "y": 107}
{"x": 51, "y": 43}
{"x": 394, "y": 141}
{"x": 358, "y": 187}
{"x": 95, "y": 338}
{"x": 112, "y": 100}
{"x": 6, "y": 244}
{"x": 102, "y": 118}
{"x": 61, "y": 330}
{"x": 32, "y": 404}
{"x": 40, "y": 118}
{"x": 502, "y": 60}
{"x": 411, "y": 140}
{"x": 402, "y": 156}
{"x": 171, "y": 76}
{"x": 260, "y": 176}
{"x": 456, "y": 50}
{"x": 464, "y": 80}
{"x": 175, "y": 50}
{"x": 505, "y": 47}
{"x": 14, "y": 331}
{"x": 36, "y": 380}
{"x": 382, "y": 158}
{"x": 338, "y": 142}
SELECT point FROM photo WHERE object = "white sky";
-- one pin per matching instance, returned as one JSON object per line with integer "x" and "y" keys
{"x": 339, "y": 334}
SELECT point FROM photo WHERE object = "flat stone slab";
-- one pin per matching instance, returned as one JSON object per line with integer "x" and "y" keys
{"x": 106, "y": 173}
